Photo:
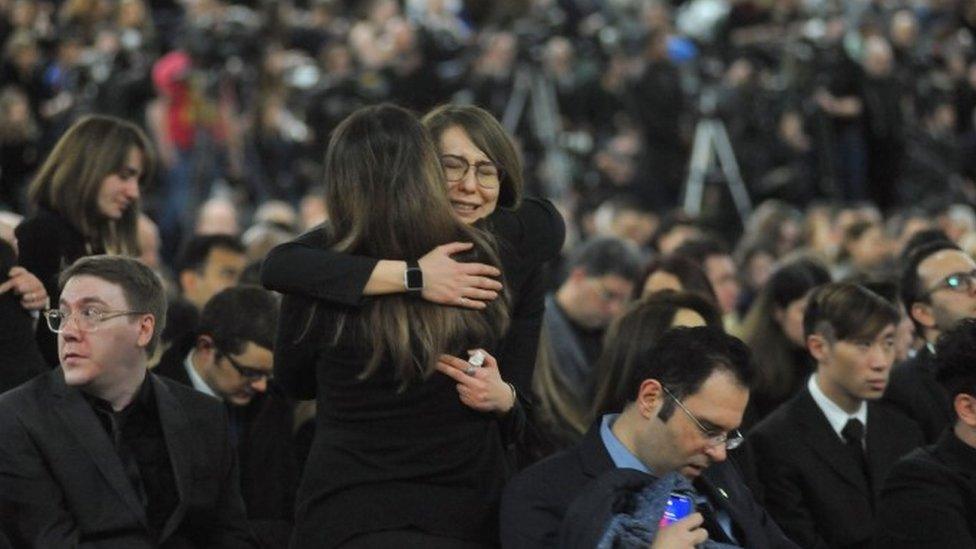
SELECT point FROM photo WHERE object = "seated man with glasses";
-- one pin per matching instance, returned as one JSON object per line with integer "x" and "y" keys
{"x": 230, "y": 356}
{"x": 100, "y": 452}
{"x": 938, "y": 288}
{"x": 689, "y": 390}
{"x": 823, "y": 455}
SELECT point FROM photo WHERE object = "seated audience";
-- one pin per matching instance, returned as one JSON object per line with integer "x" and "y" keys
{"x": 689, "y": 391}
{"x": 102, "y": 452}
{"x": 929, "y": 498}
{"x": 823, "y": 455}
{"x": 231, "y": 358}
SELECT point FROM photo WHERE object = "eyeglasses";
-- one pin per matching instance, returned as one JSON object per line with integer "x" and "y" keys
{"x": 962, "y": 282}
{"x": 87, "y": 319}
{"x": 732, "y": 440}
{"x": 456, "y": 167}
{"x": 248, "y": 373}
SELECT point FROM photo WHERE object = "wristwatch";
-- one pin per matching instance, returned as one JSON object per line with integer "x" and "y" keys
{"x": 413, "y": 277}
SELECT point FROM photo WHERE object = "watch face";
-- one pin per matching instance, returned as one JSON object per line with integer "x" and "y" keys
{"x": 415, "y": 279}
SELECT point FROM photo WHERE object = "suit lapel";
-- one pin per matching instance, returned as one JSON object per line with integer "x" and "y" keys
{"x": 79, "y": 419}
{"x": 825, "y": 443}
{"x": 179, "y": 439}
{"x": 882, "y": 446}
{"x": 594, "y": 458}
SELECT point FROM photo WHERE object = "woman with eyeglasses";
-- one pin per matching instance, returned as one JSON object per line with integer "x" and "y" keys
{"x": 483, "y": 173}
{"x": 85, "y": 201}
{"x": 399, "y": 458}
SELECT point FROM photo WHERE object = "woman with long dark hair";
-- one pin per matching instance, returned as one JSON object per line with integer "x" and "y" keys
{"x": 773, "y": 329}
{"x": 483, "y": 173}
{"x": 397, "y": 458}
{"x": 85, "y": 199}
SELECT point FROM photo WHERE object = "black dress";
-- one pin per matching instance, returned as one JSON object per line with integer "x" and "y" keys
{"x": 19, "y": 357}
{"x": 382, "y": 458}
{"x": 47, "y": 244}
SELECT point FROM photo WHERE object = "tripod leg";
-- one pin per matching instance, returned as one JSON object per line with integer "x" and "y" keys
{"x": 730, "y": 168}
{"x": 516, "y": 103}
{"x": 701, "y": 159}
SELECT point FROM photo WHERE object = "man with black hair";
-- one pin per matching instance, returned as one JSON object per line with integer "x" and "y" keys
{"x": 823, "y": 455}
{"x": 938, "y": 288}
{"x": 715, "y": 259}
{"x": 231, "y": 358}
{"x": 207, "y": 264}
{"x": 929, "y": 498}
{"x": 689, "y": 393}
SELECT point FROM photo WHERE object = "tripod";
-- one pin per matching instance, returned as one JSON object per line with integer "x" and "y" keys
{"x": 534, "y": 90}
{"x": 711, "y": 140}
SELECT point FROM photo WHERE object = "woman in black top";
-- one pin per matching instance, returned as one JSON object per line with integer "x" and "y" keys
{"x": 395, "y": 452}
{"x": 86, "y": 201}
{"x": 529, "y": 232}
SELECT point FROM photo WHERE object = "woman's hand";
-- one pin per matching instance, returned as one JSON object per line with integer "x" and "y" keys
{"x": 481, "y": 388}
{"x": 450, "y": 282}
{"x": 684, "y": 534}
{"x": 33, "y": 296}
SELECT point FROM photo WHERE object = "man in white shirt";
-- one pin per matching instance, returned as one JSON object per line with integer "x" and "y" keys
{"x": 823, "y": 455}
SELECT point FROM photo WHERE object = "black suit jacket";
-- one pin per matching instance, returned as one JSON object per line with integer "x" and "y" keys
{"x": 536, "y": 501}
{"x": 929, "y": 499}
{"x": 265, "y": 451}
{"x": 914, "y": 391}
{"x": 813, "y": 485}
{"x": 62, "y": 483}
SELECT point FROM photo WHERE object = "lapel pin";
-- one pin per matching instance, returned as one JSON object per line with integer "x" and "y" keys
{"x": 722, "y": 491}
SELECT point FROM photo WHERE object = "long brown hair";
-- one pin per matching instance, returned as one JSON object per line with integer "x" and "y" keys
{"x": 68, "y": 182}
{"x": 488, "y": 135}
{"x": 385, "y": 194}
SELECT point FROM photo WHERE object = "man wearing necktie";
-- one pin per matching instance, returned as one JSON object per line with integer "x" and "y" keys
{"x": 689, "y": 390}
{"x": 822, "y": 456}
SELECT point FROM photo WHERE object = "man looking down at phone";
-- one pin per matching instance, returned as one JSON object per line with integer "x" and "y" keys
{"x": 689, "y": 393}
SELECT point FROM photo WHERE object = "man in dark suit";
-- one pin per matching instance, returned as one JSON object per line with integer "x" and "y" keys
{"x": 938, "y": 288}
{"x": 929, "y": 498}
{"x": 230, "y": 357}
{"x": 101, "y": 452}
{"x": 690, "y": 391}
{"x": 823, "y": 455}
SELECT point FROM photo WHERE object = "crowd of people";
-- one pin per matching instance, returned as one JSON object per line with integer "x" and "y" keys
{"x": 415, "y": 274}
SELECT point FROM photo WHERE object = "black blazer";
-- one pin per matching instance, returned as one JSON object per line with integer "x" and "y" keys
{"x": 813, "y": 486}
{"x": 537, "y": 500}
{"x": 914, "y": 391}
{"x": 47, "y": 243}
{"x": 929, "y": 499}
{"x": 265, "y": 451}
{"x": 62, "y": 483}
